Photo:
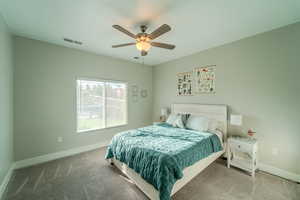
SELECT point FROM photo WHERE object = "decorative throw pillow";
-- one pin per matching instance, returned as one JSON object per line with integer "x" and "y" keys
{"x": 178, "y": 122}
{"x": 181, "y": 120}
{"x": 197, "y": 123}
{"x": 184, "y": 118}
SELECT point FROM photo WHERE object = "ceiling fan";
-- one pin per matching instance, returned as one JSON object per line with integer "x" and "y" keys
{"x": 144, "y": 40}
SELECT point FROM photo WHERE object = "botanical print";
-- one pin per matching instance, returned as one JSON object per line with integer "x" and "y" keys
{"x": 184, "y": 84}
{"x": 205, "y": 79}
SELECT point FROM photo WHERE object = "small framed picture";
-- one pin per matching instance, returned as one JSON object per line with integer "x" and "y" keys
{"x": 144, "y": 93}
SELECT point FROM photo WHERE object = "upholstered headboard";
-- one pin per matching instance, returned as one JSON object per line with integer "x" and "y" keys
{"x": 215, "y": 112}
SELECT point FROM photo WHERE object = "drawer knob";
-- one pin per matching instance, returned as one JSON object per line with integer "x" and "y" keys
{"x": 239, "y": 146}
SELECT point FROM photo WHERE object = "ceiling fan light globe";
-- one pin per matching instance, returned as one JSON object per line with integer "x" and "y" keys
{"x": 143, "y": 46}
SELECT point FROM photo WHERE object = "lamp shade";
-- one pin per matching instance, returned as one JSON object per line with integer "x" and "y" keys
{"x": 236, "y": 120}
{"x": 164, "y": 111}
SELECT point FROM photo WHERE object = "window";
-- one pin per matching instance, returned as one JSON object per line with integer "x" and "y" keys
{"x": 100, "y": 104}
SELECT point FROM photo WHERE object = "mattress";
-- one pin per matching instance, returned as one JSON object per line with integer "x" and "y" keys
{"x": 160, "y": 153}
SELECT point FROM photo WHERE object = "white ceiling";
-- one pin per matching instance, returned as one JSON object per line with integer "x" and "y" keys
{"x": 196, "y": 24}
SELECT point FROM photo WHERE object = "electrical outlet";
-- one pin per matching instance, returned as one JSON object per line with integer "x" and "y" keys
{"x": 59, "y": 139}
{"x": 275, "y": 151}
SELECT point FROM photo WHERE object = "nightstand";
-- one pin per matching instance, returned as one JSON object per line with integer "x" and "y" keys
{"x": 242, "y": 153}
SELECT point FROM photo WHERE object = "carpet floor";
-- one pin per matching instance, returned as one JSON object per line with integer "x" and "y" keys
{"x": 88, "y": 176}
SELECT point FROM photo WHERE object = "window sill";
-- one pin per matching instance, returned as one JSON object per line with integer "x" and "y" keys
{"x": 101, "y": 129}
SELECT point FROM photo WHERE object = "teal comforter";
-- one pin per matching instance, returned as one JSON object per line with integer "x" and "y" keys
{"x": 159, "y": 153}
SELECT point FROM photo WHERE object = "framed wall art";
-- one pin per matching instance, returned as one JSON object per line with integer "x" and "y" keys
{"x": 144, "y": 93}
{"x": 205, "y": 80}
{"x": 184, "y": 83}
{"x": 134, "y": 93}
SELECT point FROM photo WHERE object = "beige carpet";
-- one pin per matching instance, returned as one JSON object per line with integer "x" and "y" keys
{"x": 88, "y": 176}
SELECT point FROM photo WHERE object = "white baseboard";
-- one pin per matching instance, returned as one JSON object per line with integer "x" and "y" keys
{"x": 279, "y": 172}
{"x": 57, "y": 155}
{"x": 6, "y": 180}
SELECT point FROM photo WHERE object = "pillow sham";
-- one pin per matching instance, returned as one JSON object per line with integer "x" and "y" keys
{"x": 197, "y": 123}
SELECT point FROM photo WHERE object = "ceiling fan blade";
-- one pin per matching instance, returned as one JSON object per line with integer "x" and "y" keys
{"x": 144, "y": 53}
{"x": 159, "y": 31}
{"x": 123, "y": 30}
{"x": 123, "y": 45}
{"x": 163, "y": 45}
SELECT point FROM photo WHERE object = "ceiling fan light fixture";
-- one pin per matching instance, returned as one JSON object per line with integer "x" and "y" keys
{"x": 144, "y": 40}
{"x": 143, "y": 46}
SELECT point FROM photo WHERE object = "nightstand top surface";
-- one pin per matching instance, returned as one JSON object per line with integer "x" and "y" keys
{"x": 243, "y": 139}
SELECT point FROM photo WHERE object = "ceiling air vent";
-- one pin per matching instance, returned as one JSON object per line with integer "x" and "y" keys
{"x": 72, "y": 41}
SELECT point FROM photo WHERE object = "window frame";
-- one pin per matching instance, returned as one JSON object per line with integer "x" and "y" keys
{"x": 105, "y": 121}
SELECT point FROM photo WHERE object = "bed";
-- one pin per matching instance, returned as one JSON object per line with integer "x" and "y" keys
{"x": 160, "y": 160}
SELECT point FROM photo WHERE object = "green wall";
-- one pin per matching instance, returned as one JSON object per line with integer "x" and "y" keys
{"x": 45, "y": 88}
{"x": 257, "y": 77}
{"x": 6, "y": 100}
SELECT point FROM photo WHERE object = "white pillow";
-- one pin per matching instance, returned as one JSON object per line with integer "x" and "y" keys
{"x": 197, "y": 123}
{"x": 178, "y": 122}
{"x": 212, "y": 125}
{"x": 171, "y": 119}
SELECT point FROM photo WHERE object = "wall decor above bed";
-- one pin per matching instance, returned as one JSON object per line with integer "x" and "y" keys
{"x": 184, "y": 83}
{"x": 205, "y": 80}
{"x": 202, "y": 80}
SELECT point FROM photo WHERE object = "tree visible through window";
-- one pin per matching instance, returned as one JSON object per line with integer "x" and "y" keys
{"x": 100, "y": 104}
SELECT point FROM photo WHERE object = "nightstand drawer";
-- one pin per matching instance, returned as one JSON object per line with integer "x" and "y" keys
{"x": 242, "y": 147}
